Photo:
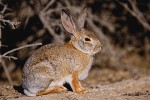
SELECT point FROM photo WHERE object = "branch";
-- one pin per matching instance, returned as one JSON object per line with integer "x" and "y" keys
{"x": 3, "y": 45}
{"x": 42, "y": 15}
{"x": 6, "y": 71}
{"x": 30, "y": 45}
{"x": 135, "y": 12}
{"x": 104, "y": 23}
{"x": 11, "y": 23}
{"x": 48, "y": 5}
{"x": 4, "y": 9}
{"x": 9, "y": 57}
{"x": 58, "y": 9}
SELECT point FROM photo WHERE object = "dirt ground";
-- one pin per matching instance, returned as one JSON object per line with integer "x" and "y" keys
{"x": 103, "y": 83}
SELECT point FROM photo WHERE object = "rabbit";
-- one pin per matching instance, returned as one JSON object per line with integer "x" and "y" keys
{"x": 53, "y": 65}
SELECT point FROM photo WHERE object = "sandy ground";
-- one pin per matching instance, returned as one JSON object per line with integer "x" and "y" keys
{"x": 104, "y": 84}
{"x": 124, "y": 90}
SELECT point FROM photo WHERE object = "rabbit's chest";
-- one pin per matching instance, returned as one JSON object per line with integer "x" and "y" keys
{"x": 83, "y": 75}
{"x": 85, "y": 70}
{"x": 80, "y": 62}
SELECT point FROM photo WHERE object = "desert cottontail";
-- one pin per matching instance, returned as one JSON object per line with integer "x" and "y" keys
{"x": 55, "y": 64}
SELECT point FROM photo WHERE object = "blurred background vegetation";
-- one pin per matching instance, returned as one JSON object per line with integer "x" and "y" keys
{"x": 123, "y": 26}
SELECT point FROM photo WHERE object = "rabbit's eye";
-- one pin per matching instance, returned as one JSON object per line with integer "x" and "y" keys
{"x": 87, "y": 39}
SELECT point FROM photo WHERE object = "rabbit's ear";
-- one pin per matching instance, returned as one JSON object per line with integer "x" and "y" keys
{"x": 82, "y": 17}
{"x": 68, "y": 22}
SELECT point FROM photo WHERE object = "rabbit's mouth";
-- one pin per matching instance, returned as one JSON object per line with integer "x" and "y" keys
{"x": 96, "y": 49}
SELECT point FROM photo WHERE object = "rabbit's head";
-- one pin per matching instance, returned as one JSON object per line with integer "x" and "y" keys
{"x": 82, "y": 39}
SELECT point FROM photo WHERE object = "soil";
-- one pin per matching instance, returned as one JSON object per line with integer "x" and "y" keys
{"x": 103, "y": 83}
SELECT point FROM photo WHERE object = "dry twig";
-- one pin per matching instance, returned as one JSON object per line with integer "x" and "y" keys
{"x": 48, "y": 5}
{"x": 11, "y": 23}
{"x": 42, "y": 15}
{"x": 26, "y": 46}
{"x": 11, "y": 57}
{"x": 135, "y": 12}
{"x": 6, "y": 71}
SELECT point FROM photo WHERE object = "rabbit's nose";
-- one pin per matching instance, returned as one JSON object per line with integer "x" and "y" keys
{"x": 97, "y": 47}
{"x": 101, "y": 45}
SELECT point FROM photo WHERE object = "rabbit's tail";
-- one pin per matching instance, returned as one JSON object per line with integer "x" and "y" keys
{"x": 28, "y": 93}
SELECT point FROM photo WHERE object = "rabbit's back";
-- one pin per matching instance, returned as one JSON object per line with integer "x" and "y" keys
{"x": 58, "y": 54}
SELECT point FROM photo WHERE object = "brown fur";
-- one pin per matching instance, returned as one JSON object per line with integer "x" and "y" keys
{"x": 54, "y": 64}
{"x": 52, "y": 90}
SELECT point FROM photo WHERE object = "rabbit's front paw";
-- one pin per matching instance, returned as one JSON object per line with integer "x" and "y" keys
{"x": 82, "y": 91}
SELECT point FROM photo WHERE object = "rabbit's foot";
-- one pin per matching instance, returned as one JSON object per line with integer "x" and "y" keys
{"x": 52, "y": 90}
{"x": 82, "y": 91}
{"x": 76, "y": 85}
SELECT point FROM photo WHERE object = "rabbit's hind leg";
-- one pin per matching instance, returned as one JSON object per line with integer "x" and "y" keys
{"x": 52, "y": 90}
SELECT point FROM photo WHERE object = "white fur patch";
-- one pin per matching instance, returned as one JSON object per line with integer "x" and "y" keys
{"x": 83, "y": 75}
{"x": 61, "y": 82}
{"x": 29, "y": 93}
